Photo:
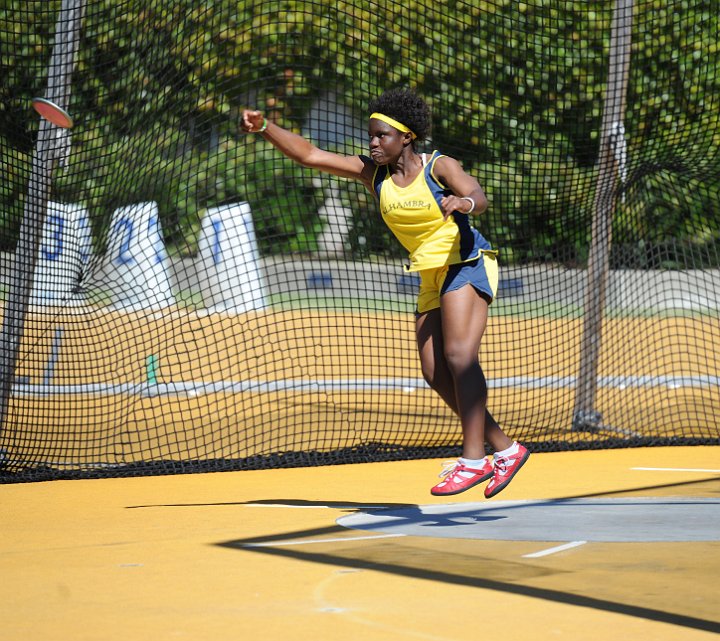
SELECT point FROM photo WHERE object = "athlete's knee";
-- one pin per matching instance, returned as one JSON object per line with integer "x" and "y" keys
{"x": 460, "y": 359}
{"x": 434, "y": 377}
{"x": 429, "y": 373}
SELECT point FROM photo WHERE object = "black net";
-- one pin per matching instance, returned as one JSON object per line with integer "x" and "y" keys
{"x": 178, "y": 296}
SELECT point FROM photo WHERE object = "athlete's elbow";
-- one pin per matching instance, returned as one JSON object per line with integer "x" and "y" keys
{"x": 481, "y": 202}
{"x": 301, "y": 158}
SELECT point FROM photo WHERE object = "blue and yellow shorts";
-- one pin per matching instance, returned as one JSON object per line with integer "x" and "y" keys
{"x": 482, "y": 274}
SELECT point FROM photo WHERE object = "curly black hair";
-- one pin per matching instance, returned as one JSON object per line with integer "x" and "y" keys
{"x": 405, "y": 106}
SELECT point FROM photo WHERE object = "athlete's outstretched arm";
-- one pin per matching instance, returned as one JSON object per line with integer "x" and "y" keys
{"x": 304, "y": 152}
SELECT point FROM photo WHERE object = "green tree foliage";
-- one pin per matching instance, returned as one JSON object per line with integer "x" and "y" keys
{"x": 516, "y": 90}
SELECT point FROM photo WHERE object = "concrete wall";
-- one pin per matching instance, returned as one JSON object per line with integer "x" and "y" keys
{"x": 627, "y": 289}
{"x": 694, "y": 290}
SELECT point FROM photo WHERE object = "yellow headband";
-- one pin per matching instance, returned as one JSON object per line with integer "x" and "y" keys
{"x": 394, "y": 123}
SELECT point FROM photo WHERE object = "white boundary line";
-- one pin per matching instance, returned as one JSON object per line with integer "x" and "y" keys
{"x": 554, "y": 550}
{"x": 273, "y": 544}
{"x": 316, "y": 507}
{"x": 675, "y": 469}
{"x": 407, "y": 385}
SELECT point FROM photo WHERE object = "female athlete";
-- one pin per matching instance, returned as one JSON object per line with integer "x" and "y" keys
{"x": 426, "y": 200}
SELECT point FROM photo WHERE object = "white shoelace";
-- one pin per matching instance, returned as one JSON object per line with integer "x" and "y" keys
{"x": 501, "y": 464}
{"x": 448, "y": 468}
{"x": 451, "y": 467}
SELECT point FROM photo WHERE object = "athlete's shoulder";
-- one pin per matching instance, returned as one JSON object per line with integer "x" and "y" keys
{"x": 442, "y": 161}
{"x": 369, "y": 175}
{"x": 444, "y": 167}
{"x": 368, "y": 163}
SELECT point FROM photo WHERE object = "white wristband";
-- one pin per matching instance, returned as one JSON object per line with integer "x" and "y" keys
{"x": 472, "y": 204}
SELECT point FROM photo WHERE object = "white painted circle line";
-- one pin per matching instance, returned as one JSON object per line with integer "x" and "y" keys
{"x": 675, "y": 469}
{"x": 274, "y": 544}
{"x": 554, "y": 550}
{"x": 289, "y": 506}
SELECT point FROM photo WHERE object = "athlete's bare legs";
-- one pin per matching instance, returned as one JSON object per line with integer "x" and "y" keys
{"x": 448, "y": 343}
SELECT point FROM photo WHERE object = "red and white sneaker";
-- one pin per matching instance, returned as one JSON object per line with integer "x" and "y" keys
{"x": 458, "y": 477}
{"x": 505, "y": 468}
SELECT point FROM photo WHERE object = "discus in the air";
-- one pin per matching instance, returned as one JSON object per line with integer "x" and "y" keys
{"x": 52, "y": 112}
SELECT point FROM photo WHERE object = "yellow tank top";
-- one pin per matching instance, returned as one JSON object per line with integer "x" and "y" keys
{"x": 414, "y": 216}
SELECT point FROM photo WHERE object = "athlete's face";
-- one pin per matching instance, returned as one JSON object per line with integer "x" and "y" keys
{"x": 386, "y": 142}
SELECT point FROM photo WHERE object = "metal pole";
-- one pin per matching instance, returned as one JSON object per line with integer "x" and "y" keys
{"x": 585, "y": 416}
{"x": 50, "y": 143}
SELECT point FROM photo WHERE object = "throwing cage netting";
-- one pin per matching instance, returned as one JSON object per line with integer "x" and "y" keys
{"x": 178, "y": 296}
